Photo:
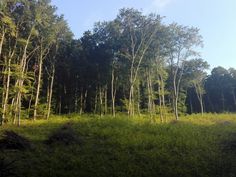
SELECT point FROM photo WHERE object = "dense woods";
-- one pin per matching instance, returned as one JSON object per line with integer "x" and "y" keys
{"x": 134, "y": 64}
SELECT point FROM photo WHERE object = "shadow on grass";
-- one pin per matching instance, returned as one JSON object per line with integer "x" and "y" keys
{"x": 128, "y": 147}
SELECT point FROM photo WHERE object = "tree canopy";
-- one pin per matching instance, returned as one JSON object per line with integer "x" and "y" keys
{"x": 134, "y": 64}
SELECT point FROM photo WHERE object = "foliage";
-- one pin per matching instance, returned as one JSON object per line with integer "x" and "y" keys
{"x": 134, "y": 63}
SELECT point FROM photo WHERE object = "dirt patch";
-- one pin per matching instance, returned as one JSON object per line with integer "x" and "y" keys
{"x": 11, "y": 140}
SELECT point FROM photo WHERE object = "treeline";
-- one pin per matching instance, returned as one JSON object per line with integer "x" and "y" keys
{"x": 30, "y": 36}
{"x": 134, "y": 63}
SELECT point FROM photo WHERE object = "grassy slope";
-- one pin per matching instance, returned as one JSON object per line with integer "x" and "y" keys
{"x": 121, "y": 146}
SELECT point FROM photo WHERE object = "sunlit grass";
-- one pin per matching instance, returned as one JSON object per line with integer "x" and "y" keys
{"x": 123, "y": 146}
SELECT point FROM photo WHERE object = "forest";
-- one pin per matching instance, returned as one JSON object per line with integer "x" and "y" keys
{"x": 125, "y": 99}
{"x": 134, "y": 64}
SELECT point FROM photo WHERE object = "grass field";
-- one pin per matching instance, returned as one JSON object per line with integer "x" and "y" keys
{"x": 195, "y": 146}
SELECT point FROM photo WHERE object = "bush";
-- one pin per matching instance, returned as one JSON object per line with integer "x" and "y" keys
{"x": 11, "y": 140}
{"x": 65, "y": 135}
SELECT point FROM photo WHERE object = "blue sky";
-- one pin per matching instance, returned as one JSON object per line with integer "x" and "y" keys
{"x": 215, "y": 18}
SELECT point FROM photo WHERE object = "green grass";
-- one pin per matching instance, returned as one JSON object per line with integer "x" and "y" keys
{"x": 115, "y": 147}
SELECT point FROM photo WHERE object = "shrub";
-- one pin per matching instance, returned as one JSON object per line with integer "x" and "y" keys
{"x": 65, "y": 135}
{"x": 11, "y": 140}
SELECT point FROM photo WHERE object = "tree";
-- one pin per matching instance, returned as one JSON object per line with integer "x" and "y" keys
{"x": 219, "y": 86}
{"x": 8, "y": 32}
{"x": 182, "y": 41}
{"x": 27, "y": 31}
{"x": 137, "y": 33}
{"x": 23, "y": 50}
{"x": 195, "y": 71}
{"x": 62, "y": 34}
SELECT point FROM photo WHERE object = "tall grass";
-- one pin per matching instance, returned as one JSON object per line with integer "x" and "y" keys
{"x": 122, "y": 146}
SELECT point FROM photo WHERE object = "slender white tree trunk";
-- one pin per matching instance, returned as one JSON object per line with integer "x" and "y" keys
{"x": 38, "y": 85}
{"x": 113, "y": 92}
{"x": 50, "y": 93}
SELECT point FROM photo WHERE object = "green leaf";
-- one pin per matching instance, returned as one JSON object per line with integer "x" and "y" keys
{"x": 22, "y": 41}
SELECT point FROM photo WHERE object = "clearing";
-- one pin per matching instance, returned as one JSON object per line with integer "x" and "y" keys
{"x": 90, "y": 146}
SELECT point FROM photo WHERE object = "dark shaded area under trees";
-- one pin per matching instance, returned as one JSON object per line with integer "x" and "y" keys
{"x": 134, "y": 63}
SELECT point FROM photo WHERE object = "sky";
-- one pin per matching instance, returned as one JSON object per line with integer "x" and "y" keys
{"x": 216, "y": 20}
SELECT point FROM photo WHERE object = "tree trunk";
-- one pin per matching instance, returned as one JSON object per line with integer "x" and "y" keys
{"x": 1, "y": 42}
{"x": 101, "y": 101}
{"x": 50, "y": 93}
{"x": 31, "y": 95}
{"x": 20, "y": 80}
{"x": 105, "y": 100}
{"x": 138, "y": 101}
{"x": 5, "y": 102}
{"x": 95, "y": 101}
{"x": 202, "y": 109}
{"x": 199, "y": 93}
{"x": 160, "y": 100}
{"x": 76, "y": 98}
{"x": 175, "y": 100}
{"x": 38, "y": 85}
{"x": 176, "y": 108}
{"x": 3, "y": 96}
{"x": 19, "y": 109}
{"x": 8, "y": 77}
{"x": 149, "y": 93}
{"x": 191, "y": 105}
{"x": 130, "y": 101}
{"x": 59, "y": 106}
{"x": 81, "y": 103}
{"x": 163, "y": 97}
{"x": 113, "y": 92}
{"x": 85, "y": 99}
{"x": 176, "y": 84}
{"x": 234, "y": 97}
